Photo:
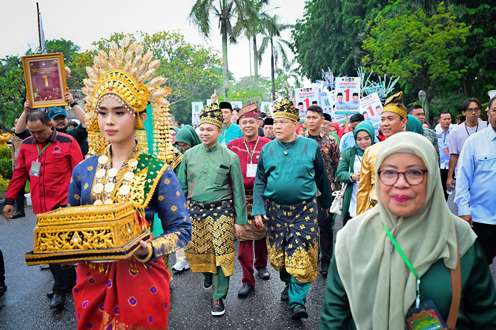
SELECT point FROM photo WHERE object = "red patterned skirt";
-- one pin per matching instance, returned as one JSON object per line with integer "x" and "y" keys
{"x": 122, "y": 295}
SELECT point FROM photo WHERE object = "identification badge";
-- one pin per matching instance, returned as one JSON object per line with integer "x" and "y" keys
{"x": 251, "y": 170}
{"x": 35, "y": 168}
{"x": 427, "y": 317}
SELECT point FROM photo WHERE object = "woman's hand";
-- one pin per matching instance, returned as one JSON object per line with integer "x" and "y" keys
{"x": 144, "y": 252}
{"x": 355, "y": 177}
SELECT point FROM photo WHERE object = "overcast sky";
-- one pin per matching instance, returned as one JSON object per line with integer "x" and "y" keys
{"x": 84, "y": 21}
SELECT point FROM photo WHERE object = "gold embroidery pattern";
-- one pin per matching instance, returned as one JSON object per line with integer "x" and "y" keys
{"x": 292, "y": 239}
{"x": 303, "y": 265}
{"x": 212, "y": 244}
{"x": 165, "y": 244}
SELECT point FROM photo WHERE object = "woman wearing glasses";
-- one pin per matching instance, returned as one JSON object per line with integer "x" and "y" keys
{"x": 408, "y": 261}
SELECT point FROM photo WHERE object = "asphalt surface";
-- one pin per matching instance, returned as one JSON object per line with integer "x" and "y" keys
{"x": 25, "y": 305}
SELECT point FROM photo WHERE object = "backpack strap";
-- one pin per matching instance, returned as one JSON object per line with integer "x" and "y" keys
{"x": 456, "y": 293}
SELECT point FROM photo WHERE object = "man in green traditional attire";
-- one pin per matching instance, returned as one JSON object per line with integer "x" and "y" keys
{"x": 290, "y": 170}
{"x": 211, "y": 178}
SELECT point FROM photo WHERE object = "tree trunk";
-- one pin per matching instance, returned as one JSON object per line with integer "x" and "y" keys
{"x": 255, "y": 57}
{"x": 249, "y": 55}
{"x": 272, "y": 70}
{"x": 224, "y": 59}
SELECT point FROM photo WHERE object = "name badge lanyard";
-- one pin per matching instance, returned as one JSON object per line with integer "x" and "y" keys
{"x": 251, "y": 153}
{"x": 407, "y": 262}
{"x": 40, "y": 152}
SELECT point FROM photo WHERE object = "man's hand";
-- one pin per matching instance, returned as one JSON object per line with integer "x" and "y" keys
{"x": 450, "y": 183}
{"x": 27, "y": 106}
{"x": 467, "y": 218}
{"x": 7, "y": 211}
{"x": 238, "y": 230}
{"x": 259, "y": 222}
{"x": 69, "y": 99}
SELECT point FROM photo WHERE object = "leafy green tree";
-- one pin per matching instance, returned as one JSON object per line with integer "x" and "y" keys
{"x": 424, "y": 49}
{"x": 192, "y": 72}
{"x": 68, "y": 47}
{"x": 249, "y": 89}
{"x": 11, "y": 90}
{"x": 330, "y": 35}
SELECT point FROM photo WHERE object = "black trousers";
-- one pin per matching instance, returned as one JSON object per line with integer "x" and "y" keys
{"x": 19, "y": 203}
{"x": 2, "y": 268}
{"x": 326, "y": 237}
{"x": 64, "y": 278}
{"x": 485, "y": 235}
{"x": 444, "y": 177}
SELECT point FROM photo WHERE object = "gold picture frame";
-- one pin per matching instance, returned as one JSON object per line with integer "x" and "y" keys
{"x": 45, "y": 79}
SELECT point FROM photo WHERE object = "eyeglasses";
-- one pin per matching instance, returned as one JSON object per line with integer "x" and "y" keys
{"x": 473, "y": 110}
{"x": 412, "y": 176}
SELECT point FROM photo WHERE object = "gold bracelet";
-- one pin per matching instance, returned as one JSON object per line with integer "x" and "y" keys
{"x": 148, "y": 257}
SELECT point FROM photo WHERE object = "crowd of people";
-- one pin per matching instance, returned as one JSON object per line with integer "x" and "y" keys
{"x": 270, "y": 182}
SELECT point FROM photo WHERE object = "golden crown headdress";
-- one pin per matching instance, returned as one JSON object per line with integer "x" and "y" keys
{"x": 212, "y": 114}
{"x": 284, "y": 108}
{"x": 126, "y": 72}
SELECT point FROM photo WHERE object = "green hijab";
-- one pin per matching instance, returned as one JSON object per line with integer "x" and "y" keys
{"x": 365, "y": 126}
{"x": 187, "y": 134}
{"x": 379, "y": 286}
{"x": 414, "y": 125}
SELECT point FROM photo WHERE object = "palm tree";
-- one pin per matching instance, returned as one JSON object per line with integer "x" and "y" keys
{"x": 272, "y": 37}
{"x": 226, "y": 11}
{"x": 251, "y": 22}
{"x": 289, "y": 78}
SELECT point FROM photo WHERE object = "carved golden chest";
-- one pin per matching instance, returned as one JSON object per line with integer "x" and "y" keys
{"x": 89, "y": 232}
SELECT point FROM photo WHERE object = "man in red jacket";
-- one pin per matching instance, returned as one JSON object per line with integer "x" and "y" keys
{"x": 248, "y": 149}
{"x": 46, "y": 159}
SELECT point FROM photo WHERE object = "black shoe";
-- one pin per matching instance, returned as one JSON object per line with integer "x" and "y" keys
{"x": 323, "y": 269}
{"x": 58, "y": 301}
{"x": 263, "y": 274}
{"x": 245, "y": 291}
{"x": 284, "y": 293}
{"x": 207, "y": 282}
{"x": 18, "y": 215}
{"x": 3, "y": 289}
{"x": 218, "y": 308}
{"x": 299, "y": 312}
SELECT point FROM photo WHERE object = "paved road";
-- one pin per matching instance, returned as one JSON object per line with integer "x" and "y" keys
{"x": 24, "y": 306}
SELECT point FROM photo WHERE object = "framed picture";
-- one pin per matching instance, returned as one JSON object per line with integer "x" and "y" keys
{"x": 45, "y": 79}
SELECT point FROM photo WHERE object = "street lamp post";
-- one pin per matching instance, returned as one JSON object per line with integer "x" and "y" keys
{"x": 422, "y": 96}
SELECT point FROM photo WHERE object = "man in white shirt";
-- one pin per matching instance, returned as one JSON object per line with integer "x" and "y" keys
{"x": 471, "y": 110}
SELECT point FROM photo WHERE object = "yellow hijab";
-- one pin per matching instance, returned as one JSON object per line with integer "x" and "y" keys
{"x": 379, "y": 286}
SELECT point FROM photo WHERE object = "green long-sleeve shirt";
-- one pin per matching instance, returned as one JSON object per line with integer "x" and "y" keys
{"x": 289, "y": 173}
{"x": 211, "y": 175}
{"x": 477, "y": 307}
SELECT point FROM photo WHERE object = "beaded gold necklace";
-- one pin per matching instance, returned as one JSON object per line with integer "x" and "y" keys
{"x": 112, "y": 185}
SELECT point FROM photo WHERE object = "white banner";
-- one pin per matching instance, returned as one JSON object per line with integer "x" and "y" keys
{"x": 305, "y": 97}
{"x": 347, "y": 95}
{"x": 371, "y": 107}
{"x": 196, "y": 109}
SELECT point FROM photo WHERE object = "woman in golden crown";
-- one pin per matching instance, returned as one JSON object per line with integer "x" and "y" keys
{"x": 131, "y": 293}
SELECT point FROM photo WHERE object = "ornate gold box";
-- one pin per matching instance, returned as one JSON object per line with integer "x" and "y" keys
{"x": 89, "y": 232}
